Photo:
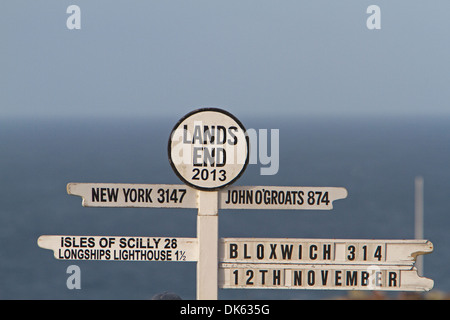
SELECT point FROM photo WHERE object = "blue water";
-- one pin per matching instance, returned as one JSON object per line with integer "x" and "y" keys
{"x": 375, "y": 159}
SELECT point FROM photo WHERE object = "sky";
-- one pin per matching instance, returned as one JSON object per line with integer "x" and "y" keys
{"x": 251, "y": 57}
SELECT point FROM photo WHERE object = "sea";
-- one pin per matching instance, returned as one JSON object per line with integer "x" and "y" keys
{"x": 375, "y": 158}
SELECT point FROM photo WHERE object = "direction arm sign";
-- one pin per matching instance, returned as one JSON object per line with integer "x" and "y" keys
{"x": 324, "y": 277}
{"x": 280, "y": 198}
{"x": 134, "y": 195}
{"x": 114, "y": 248}
{"x": 323, "y": 251}
{"x": 182, "y": 196}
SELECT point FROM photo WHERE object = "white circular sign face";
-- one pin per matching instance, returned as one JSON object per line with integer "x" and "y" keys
{"x": 208, "y": 149}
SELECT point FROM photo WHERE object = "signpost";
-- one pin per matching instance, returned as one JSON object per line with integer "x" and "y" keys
{"x": 208, "y": 150}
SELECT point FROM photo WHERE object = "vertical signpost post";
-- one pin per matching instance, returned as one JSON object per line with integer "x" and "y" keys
{"x": 208, "y": 150}
{"x": 207, "y": 235}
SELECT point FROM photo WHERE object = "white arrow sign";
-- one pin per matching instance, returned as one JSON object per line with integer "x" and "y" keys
{"x": 134, "y": 195}
{"x": 324, "y": 277}
{"x": 322, "y": 251}
{"x": 274, "y": 197}
{"x": 117, "y": 248}
{"x": 181, "y": 196}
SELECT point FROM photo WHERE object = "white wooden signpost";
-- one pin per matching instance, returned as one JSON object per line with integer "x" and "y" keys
{"x": 209, "y": 150}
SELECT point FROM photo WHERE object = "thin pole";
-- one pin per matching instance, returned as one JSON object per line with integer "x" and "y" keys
{"x": 418, "y": 219}
{"x": 208, "y": 245}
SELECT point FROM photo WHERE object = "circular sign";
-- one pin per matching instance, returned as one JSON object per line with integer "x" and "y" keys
{"x": 208, "y": 149}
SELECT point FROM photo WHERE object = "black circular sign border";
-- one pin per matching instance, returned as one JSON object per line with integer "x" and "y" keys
{"x": 169, "y": 148}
